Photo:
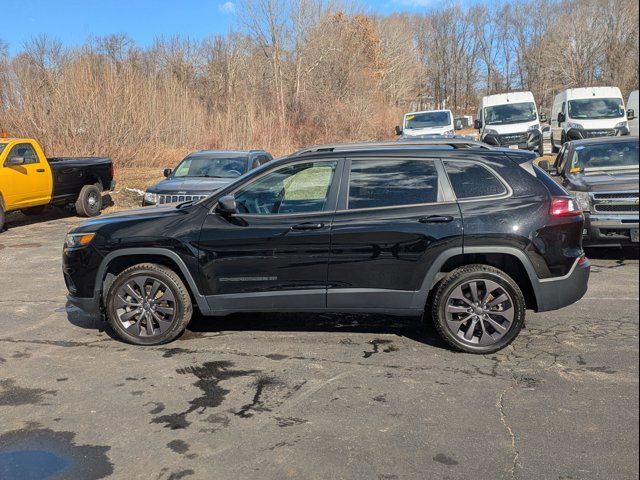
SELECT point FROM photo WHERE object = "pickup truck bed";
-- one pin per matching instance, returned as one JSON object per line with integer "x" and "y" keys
{"x": 70, "y": 174}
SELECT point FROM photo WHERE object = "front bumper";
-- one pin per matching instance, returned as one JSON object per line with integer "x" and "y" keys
{"x": 556, "y": 293}
{"x": 581, "y": 133}
{"x": 524, "y": 141}
{"x": 88, "y": 305}
{"x": 603, "y": 229}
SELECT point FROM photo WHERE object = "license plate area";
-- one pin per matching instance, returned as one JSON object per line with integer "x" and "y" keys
{"x": 513, "y": 147}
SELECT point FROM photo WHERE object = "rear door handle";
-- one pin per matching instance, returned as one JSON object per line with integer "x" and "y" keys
{"x": 308, "y": 226}
{"x": 436, "y": 219}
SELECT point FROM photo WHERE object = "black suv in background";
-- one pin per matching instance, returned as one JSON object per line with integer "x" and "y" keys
{"x": 201, "y": 173}
{"x": 472, "y": 235}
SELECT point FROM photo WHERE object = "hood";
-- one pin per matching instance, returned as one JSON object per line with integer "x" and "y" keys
{"x": 187, "y": 185}
{"x": 509, "y": 128}
{"x": 414, "y": 132}
{"x": 604, "y": 181}
{"x": 598, "y": 124}
{"x": 136, "y": 214}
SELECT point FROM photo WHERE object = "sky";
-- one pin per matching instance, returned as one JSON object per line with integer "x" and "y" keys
{"x": 73, "y": 21}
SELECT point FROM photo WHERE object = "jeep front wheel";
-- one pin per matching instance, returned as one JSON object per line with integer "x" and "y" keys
{"x": 148, "y": 304}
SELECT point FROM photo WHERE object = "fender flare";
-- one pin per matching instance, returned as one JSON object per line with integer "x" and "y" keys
{"x": 129, "y": 252}
{"x": 434, "y": 274}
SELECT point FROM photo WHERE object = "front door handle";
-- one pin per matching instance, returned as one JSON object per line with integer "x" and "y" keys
{"x": 307, "y": 226}
{"x": 40, "y": 170}
{"x": 436, "y": 219}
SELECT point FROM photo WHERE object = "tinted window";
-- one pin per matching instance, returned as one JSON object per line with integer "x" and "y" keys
{"x": 602, "y": 156}
{"x": 212, "y": 166}
{"x": 24, "y": 150}
{"x": 470, "y": 180}
{"x": 384, "y": 183}
{"x": 293, "y": 189}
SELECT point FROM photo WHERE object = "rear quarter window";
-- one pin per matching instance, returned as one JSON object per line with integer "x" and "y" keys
{"x": 472, "y": 180}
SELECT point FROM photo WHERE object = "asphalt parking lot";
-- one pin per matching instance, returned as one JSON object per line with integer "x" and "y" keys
{"x": 311, "y": 397}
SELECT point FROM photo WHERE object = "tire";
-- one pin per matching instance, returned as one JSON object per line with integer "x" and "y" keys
{"x": 172, "y": 305}
{"x": 453, "y": 310}
{"x": 89, "y": 202}
{"x": 1, "y": 217}
{"x": 554, "y": 149}
{"x": 33, "y": 211}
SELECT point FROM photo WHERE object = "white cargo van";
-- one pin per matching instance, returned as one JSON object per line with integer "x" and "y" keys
{"x": 428, "y": 122}
{"x": 587, "y": 113}
{"x": 633, "y": 110}
{"x": 510, "y": 120}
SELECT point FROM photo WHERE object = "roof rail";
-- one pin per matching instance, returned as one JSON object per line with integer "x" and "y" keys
{"x": 454, "y": 143}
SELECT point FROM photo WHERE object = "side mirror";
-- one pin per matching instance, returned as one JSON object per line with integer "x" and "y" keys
{"x": 458, "y": 125}
{"x": 544, "y": 165}
{"x": 561, "y": 117}
{"x": 543, "y": 117}
{"x": 166, "y": 172}
{"x": 631, "y": 114}
{"x": 14, "y": 161}
{"x": 398, "y": 130}
{"x": 477, "y": 124}
{"x": 227, "y": 205}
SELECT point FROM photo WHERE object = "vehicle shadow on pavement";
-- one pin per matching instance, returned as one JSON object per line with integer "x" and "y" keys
{"x": 19, "y": 219}
{"x": 413, "y": 328}
{"x": 613, "y": 253}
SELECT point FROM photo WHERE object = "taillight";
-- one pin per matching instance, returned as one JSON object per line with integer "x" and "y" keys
{"x": 582, "y": 260}
{"x": 564, "y": 207}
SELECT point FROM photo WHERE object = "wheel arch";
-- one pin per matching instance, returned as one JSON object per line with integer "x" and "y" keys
{"x": 119, "y": 260}
{"x": 512, "y": 261}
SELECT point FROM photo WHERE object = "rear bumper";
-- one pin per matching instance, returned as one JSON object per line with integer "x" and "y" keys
{"x": 603, "y": 229}
{"x": 556, "y": 293}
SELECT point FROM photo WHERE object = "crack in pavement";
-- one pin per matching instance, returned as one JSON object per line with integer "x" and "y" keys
{"x": 503, "y": 419}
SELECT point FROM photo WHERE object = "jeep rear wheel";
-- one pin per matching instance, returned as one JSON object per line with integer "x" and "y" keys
{"x": 1, "y": 217}
{"x": 148, "y": 304}
{"x": 478, "y": 309}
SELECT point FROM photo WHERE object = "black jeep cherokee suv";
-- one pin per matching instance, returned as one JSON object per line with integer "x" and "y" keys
{"x": 470, "y": 234}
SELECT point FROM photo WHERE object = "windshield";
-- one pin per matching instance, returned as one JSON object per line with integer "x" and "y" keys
{"x": 596, "y": 108}
{"x": 620, "y": 155}
{"x": 510, "y": 113}
{"x": 427, "y": 119}
{"x": 211, "y": 167}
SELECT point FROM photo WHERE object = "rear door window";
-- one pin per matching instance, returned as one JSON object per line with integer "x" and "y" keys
{"x": 388, "y": 183}
{"x": 472, "y": 180}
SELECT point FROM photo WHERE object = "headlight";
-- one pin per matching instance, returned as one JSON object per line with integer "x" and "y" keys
{"x": 76, "y": 240}
{"x": 533, "y": 128}
{"x": 150, "y": 198}
{"x": 450, "y": 132}
{"x": 622, "y": 125}
{"x": 574, "y": 125}
{"x": 490, "y": 131}
{"x": 584, "y": 201}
